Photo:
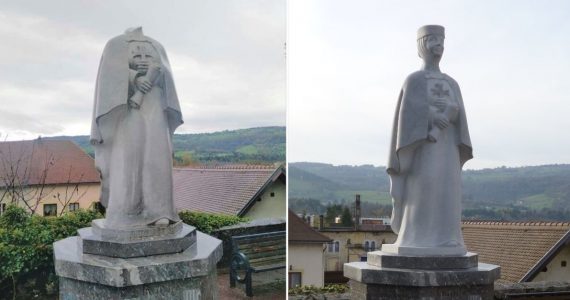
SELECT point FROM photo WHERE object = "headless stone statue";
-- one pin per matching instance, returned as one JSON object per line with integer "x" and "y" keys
{"x": 430, "y": 144}
{"x": 135, "y": 113}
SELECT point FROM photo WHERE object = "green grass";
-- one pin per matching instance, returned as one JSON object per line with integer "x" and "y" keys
{"x": 537, "y": 202}
{"x": 248, "y": 150}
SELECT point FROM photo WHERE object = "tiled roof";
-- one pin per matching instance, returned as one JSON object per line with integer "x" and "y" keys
{"x": 224, "y": 166}
{"x": 46, "y": 162}
{"x": 301, "y": 232}
{"x": 516, "y": 246}
{"x": 221, "y": 190}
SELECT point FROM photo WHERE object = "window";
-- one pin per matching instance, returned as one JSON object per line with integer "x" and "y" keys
{"x": 369, "y": 245}
{"x": 2, "y": 208}
{"x": 73, "y": 206}
{"x": 364, "y": 258}
{"x": 334, "y": 247}
{"x": 50, "y": 210}
{"x": 563, "y": 263}
{"x": 99, "y": 207}
{"x": 295, "y": 279}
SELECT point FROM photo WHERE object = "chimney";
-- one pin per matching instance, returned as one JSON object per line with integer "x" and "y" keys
{"x": 321, "y": 222}
{"x": 357, "y": 212}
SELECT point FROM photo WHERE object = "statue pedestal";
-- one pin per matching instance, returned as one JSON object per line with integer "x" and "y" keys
{"x": 391, "y": 276}
{"x": 138, "y": 268}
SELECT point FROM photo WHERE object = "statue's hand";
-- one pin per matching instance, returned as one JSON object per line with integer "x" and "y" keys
{"x": 441, "y": 121}
{"x": 133, "y": 104}
{"x": 142, "y": 67}
{"x": 143, "y": 84}
{"x": 441, "y": 104}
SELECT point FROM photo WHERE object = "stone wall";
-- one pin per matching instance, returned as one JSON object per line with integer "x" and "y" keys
{"x": 503, "y": 291}
{"x": 553, "y": 289}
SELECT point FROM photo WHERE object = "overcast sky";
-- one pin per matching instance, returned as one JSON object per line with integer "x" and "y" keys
{"x": 347, "y": 61}
{"x": 228, "y": 61}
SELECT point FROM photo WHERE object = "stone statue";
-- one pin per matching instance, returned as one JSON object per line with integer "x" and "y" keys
{"x": 430, "y": 143}
{"x": 135, "y": 113}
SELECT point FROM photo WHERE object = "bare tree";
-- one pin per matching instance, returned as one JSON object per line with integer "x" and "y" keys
{"x": 24, "y": 178}
{"x": 71, "y": 192}
{"x": 21, "y": 183}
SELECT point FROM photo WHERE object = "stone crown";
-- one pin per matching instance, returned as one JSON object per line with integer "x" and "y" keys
{"x": 430, "y": 29}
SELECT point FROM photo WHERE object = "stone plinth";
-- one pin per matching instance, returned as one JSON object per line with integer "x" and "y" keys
{"x": 187, "y": 274}
{"x": 423, "y": 251}
{"x": 126, "y": 245}
{"x": 389, "y": 276}
{"x": 100, "y": 228}
{"x": 390, "y": 260}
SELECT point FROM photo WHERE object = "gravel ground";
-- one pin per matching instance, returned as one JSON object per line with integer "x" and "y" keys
{"x": 266, "y": 286}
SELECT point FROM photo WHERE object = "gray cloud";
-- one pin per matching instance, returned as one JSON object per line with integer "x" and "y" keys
{"x": 348, "y": 60}
{"x": 227, "y": 58}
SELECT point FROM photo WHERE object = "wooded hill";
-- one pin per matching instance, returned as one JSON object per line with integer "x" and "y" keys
{"x": 253, "y": 145}
{"x": 524, "y": 192}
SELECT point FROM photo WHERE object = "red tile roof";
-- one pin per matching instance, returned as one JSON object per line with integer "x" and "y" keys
{"x": 222, "y": 189}
{"x": 46, "y": 162}
{"x": 301, "y": 232}
{"x": 516, "y": 246}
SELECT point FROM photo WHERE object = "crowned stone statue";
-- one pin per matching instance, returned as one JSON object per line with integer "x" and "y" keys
{"x": 430, "y": 143}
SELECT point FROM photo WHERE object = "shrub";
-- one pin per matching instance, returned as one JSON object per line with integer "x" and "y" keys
{"x": 206, "y": 222}
{"x": 26, "y": 244}
{"x": 313, "y": 290}
{"x": 26, "y": 250}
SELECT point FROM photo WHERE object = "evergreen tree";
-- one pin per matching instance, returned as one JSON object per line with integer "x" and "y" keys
{"x": 346, "y": 218}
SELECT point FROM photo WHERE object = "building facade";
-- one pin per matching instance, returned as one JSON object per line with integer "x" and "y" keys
{"x": 47, "y": 177}
{"x": 305, "y": 253}
{"x": 526, "y": 251}
{"x": 250, "y": 191}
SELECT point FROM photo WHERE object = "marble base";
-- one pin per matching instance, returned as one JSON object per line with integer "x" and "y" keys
{"x": 186, "y": 289}
{"x": 92, "y": 243}
{"x": 390, "y": 260}
{"x": 186, "y": 275}
{"x": 363, "y": 291}
{"x": 370, "y": 281}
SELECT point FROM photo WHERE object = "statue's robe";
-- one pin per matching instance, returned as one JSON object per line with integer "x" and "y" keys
{"x": 426, "y": 176}
{"x": 133, "y": 147}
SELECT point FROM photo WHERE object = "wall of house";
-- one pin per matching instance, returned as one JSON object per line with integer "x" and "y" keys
{"x": 270, "y": 207}
{"x": 334, "y": 261}
{"x": 86, "y": 194}
{"x": 555, "y": 271}
{"x": 308, "y": 260}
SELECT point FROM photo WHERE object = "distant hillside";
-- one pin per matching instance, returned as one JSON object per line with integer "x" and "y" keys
{"x": 532, "y": 188}
{"x": 262, "y": 144}
{"x": 338, "y": 183}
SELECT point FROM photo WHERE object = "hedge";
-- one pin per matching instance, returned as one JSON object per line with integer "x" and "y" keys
{"x": 207, "y": 223}
{"x": 26, "y": 250}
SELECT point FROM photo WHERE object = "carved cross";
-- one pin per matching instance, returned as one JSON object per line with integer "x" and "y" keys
{"x": 439, "y": 91}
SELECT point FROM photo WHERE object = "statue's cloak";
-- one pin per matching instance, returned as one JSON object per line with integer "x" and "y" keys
{"x": 410, "y": 130}
{"x": 112, "y": 93}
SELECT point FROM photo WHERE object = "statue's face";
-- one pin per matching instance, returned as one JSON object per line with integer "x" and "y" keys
{"x": 434, "y": 44}
{"x": 141, "y": 58}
